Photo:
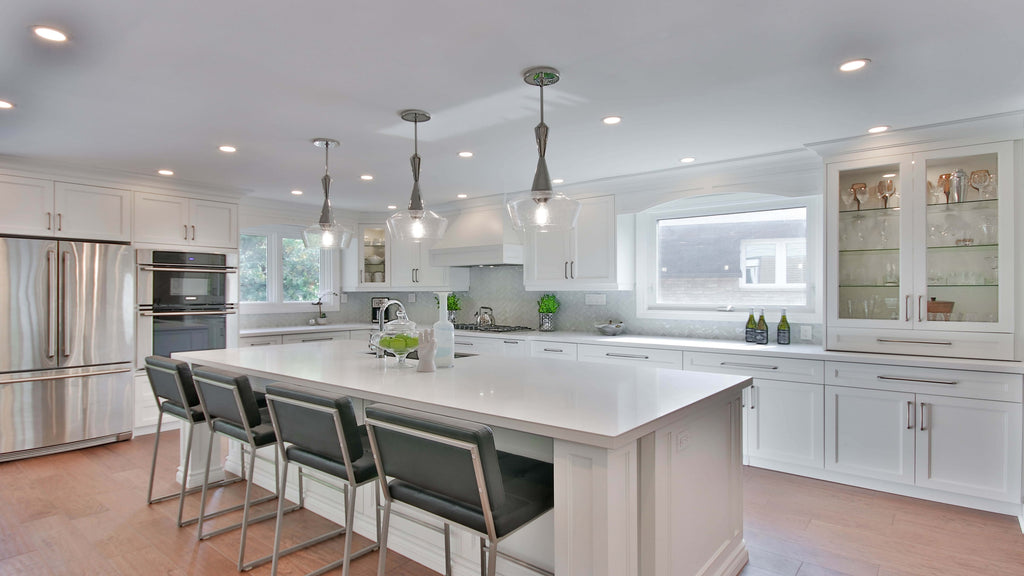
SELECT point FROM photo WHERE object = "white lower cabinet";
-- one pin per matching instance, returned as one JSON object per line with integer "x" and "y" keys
{"x": 314, "y": 337}
{"x": 548, "y": 349}
{"x": 630, "y": 356}
{"x": 785, "y": 422}
{"x": 244, "y": 341}
{"x": 497, "y": 346}
{"x": 953, "y": 431}
{"x": 146, "y": 410}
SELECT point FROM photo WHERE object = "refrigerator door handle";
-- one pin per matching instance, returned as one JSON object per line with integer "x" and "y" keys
{"x": 51, "y": 303}
{"x": 66, "y": 376}
{"x": 64, "y": 305}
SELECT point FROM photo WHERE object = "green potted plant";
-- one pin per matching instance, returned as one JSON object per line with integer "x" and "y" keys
{"x": 454, "y": 305}
{"x": 547, "y": 306}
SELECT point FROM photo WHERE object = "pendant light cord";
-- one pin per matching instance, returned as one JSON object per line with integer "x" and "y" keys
{"x": 541, "y": 84}
{"x": 416, "y": 136}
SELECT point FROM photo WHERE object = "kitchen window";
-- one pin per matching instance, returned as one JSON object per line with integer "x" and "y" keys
{"x": 705, "y": 258}
{"x": 277, "y": 273}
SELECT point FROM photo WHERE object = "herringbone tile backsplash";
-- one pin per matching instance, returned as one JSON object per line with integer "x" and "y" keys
{"x": 501, "y": 288}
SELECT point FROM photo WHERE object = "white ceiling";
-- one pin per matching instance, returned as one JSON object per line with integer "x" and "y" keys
{"x": 148, "y": 85}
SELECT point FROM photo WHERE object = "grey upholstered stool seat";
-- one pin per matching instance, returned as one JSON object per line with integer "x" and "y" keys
{"x": 175, "y": 393}
{"x": 321, "y": 433}
{"x": 231, "y": 410}
{"x": 451, "y": 469}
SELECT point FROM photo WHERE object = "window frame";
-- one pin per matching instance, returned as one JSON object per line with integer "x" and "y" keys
{"x": 330, "y": 269}
{"x": 722, "y": 204}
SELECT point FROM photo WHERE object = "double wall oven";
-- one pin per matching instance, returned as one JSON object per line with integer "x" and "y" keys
{"x": 187, "y": 301}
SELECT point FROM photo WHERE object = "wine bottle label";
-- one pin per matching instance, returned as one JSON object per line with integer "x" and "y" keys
{"x": 782, "y": 337}
{"x": 761, "y": 337}
{"x": 750, "y": 335}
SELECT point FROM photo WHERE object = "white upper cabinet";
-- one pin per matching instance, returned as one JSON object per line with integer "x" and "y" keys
{"x": 38, "y": 207}
{"x": 583, "y": 258}
{"x": 920, "y": 253}
{"x": 161, "y": 219}
{"x": 375, "y": 261}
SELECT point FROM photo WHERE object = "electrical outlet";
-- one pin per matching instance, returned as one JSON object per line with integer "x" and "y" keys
{"x": 595, "y": 299}
{"x": 412, "y": 298}
{"x": 682, "y": 440}
{"x": 806, "y": 333}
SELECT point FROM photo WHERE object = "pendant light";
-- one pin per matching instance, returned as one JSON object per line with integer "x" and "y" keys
{"x": 416, "y": 223}
{"x": 543, "y": 209}
{"x": 326, "y": 234}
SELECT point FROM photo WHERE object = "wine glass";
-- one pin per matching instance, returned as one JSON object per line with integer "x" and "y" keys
{"x": 979, "y": 181}
{"x": 856, "y": 191}
{"x": 884, "y": 190}
{"x": 944, "y": 184}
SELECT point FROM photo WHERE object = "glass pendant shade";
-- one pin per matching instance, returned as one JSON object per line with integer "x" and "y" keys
{"x": 326, "y": 233}
{"x": 416, "y": 224}
{"x": 543, "y": 209}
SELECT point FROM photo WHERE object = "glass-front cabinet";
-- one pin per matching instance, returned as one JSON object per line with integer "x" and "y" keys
{"x": 920, "y": 249}
{"x": 374, "y": 265}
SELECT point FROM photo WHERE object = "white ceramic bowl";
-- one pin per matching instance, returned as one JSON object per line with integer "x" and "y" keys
{"x": 610, "y": 328}
{"x": 374, "y": 259}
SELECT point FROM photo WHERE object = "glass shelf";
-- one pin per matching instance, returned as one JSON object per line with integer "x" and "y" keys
{"x": 867, "y": 210}
{"x": 869, "y": 285}
{"x": 978, "y": 247}
{"x": 871, "y": 251}
{"x": 963, "y": 285}
{"x": 978, "y": 204}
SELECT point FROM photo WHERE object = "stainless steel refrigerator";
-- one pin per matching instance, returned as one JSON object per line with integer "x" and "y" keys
{"x": 66, "y": 345}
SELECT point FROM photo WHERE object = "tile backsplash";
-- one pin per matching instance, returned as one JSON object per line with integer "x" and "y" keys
{"x": 501, "y": 288}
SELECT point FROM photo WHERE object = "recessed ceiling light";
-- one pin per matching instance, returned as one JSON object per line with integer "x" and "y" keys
{"x": 228, "y": 149}
{"x": 296, "y": 192}
{"x": 888, "y": 175}
{"x": 392, "y": 207}
{"x": 466, "y": 154}
{"x": 688, "y": 159}
{"x": 558, "y": 181}
{"x": 6, "y": 105}
{"x": 877, "y": 129}
{"x": 165, "y": 172}
{"x": 51, "y": 34}
{"x": 366, "y": 177}
{"x": 853, "y": 65}
{"x": 611, "y": 120}
{"x": 462, "y": 195}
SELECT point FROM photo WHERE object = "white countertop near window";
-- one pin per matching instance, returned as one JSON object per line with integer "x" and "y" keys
{"x": 801, "y": 351}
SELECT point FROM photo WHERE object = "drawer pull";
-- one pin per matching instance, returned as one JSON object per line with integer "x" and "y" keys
{"x": 511, "y": 341}
{"x": 922, "y": 416}
{"x": 463, "y": 343}
{"x": 553, "y": 350}
{"x": 742, "y": 365}
{"x": 316, "y": 339}
{"x": 910, "y": 415}
{"x": 901, "y": 379}
{"x": 260, "y": 344}
{"x": 633, "y": 356}
{"x": 898, "y": 341}
{"x": 907, "y": 303}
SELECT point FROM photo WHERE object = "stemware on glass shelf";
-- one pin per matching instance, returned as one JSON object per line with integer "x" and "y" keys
{"x": 885, "y": 190}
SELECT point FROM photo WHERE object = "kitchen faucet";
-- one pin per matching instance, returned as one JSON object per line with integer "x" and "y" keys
{"x": 380, "y": 323}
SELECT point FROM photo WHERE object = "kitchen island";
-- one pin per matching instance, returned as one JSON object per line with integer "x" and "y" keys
{"x": 647, "y": 460}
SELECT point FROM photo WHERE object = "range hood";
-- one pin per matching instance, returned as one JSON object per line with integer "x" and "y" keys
{"x": 479, "y": 236}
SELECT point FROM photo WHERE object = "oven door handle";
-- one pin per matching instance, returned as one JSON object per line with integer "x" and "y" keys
{"x": 199, "y": 313}
{"x": 198, "y": 270}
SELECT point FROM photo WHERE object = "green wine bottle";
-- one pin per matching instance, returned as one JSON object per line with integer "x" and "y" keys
{"x": 761, "y": 331}
{"x": 782, "y": 337}
{"x": 751, "y": 326}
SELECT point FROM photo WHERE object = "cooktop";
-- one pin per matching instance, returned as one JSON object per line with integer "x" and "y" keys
{"x": 492, "y": 328}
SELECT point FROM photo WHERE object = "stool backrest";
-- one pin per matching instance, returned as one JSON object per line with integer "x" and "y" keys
{"x": 171, "y": 380}
{"x": 227, "y": 396}
{"x": 436, "y": 453}
{"x": 315, "y": 423}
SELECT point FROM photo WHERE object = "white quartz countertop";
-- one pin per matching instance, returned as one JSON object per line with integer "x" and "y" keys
{"x": 597, "y": 404}
{"x": 306, "y": 328}
{"x": 800, "y": 351}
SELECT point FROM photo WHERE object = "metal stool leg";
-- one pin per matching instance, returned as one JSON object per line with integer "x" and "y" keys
{"x": 447, "y": 550}
{"x": 280, "y": 518}
{"x": 185, "y": 471}
{"x": 206, "y": 486}
{"x": 492, "y": 558}
{"x": 383, "y": 542}
{"x": 156, "y": 448}
{"x": 245, "y": 510}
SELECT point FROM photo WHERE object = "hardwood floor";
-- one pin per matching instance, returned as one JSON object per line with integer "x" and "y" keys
{"x": 84, "y": 512}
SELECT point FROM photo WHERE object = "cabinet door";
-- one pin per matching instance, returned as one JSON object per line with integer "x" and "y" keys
{"x": 405, "y": 257}
{"x": 786, "y": 423}
{"x": 964, "y": 270}
{"x": 428, "y": 276}
{"x": 547, "y": 259}
{"x": 213, "y": 224}
{"x": 479, "y": 345}
{"x": 244, "y": 341}
{"x": 548, "y": 349}
{"x": 630, "y": 356}
{"x": 92, "y": 212}
{"x": 593, "y": 249}
{"x": 161, "y": 219}
{"x": 515, "y": 348}
{"x": 969, "y": 446}
{"x": 870, "y": 433}
{"x": 27, "y": 206}
{"x": 376, "y": 266}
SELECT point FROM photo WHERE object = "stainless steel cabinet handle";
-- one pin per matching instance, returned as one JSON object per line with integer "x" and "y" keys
{"x": 902, "y": 379}
{"x": 60, "y": 222}
{"x": 316, "y": 339}
{"x": 906, "y": 316}
{"x": 511, "y": 341}
{"x": 463, "y": 343}
{"x": 51, "y": 307}
{"x": 572, "y": 269}
{"x": 49, "y": 220}
{"x": 186, "y": 232}
{"x": 742, "y": 365}
{"x": 198, "y": 270}
{"x": 553, "y": 350}
{"x": 64, "y": 288}
{"x": 204, "y": 313}
{"x": 910, "y": 415}
{"x": 260, "y": 344}
{"x": 66, "y": 376}
{"x": 919, "y": 299}
{"x": 899, "y": 341}
{"x": 634, "y": 356}
{"x": 193, "y": 231}
{"x": 922, "y": 417}
{"x": 565, "y": 269}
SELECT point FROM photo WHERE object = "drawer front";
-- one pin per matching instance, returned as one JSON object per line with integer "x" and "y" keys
{"x": 244, "y": 341}
{"x": 957, "y": 383}
{"x": 479, "y": 345}
{"x": 985, "y": 346}
{"x": 787, "y": 369}
{"x": 314, "y": 337}
{"x": 544, "y": 349}
{"x": 628, "y": 355}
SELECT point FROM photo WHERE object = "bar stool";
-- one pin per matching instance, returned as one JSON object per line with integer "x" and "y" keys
{"x": 175, "y": 393}
{"x": 450, "y": 469}
{"x": 231, "y": 410}
{"x": 322, "y": 434}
